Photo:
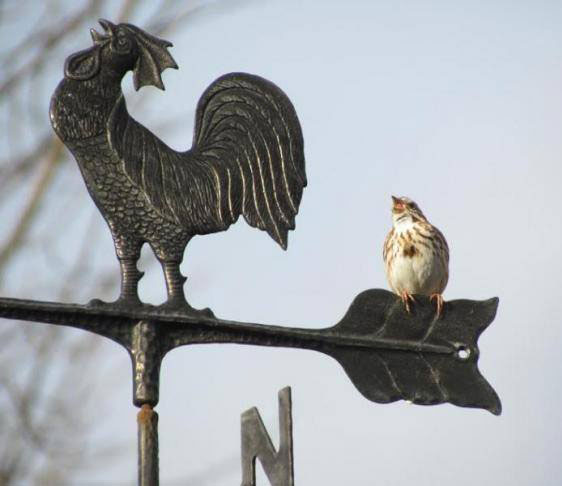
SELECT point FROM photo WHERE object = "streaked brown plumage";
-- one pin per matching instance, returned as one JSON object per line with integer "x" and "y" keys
{"x": 416, "y": 255}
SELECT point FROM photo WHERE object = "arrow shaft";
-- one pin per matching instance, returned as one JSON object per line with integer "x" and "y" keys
{"x": 178, "y": 330}
{"x": 221, "y": 331}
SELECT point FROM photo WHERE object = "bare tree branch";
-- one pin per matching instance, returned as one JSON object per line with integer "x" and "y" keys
{"x": 47, "y": 173}
{"x": 47, "y": 40}
{"x": 10, "y": 170}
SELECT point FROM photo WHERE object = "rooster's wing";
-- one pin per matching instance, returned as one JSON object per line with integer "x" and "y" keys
{"x": 247, "y": 158}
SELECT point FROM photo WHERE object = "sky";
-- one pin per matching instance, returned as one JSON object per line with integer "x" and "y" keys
{"x": 457, "y": 105}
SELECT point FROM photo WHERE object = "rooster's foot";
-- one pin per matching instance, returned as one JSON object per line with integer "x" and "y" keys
{"x": 121, "y": 303}
{"x": 181, "y": 306}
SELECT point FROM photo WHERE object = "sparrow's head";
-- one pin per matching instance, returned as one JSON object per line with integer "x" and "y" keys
{"x": 404, "y": 210}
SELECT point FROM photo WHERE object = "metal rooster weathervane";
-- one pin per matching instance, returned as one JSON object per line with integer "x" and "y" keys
{"x": 247, "y": 159}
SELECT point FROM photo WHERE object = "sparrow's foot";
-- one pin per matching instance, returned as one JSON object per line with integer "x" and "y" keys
{"x": 440, "y": 303}
{"x": 406, "y": 298}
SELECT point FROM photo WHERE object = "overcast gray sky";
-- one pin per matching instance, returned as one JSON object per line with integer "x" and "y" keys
{"x": 457, "y": 105}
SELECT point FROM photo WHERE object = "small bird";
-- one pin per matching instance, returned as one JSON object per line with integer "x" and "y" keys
{"x": 416, "y": 255}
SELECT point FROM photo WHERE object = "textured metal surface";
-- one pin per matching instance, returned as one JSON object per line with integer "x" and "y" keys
{"x": 247, "y": 156}
{"x": 146, "y": 355}
{"x": 388, "y": 354}
{"x": 256, "y": 443}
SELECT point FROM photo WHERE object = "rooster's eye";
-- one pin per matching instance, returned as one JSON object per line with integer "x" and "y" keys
{"x": 123, "y": 44}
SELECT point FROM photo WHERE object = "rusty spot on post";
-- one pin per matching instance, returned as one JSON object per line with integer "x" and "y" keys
{"x": 145, "y": 414}
{"x": 147, "y": 419}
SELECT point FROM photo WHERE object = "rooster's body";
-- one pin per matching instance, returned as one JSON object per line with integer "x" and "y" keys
{"x": 247, "y": 155}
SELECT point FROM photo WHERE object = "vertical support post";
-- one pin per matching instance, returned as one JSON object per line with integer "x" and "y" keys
{"x": 256, "y": 443}
{"x": 146, "y": 356}
{"x": 147, "y": 420}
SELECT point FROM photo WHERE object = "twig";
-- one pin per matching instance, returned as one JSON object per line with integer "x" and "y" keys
{"x": 50, "y": 40}
{"x": 20, "y": 166}
{"x": 45, "y": 178}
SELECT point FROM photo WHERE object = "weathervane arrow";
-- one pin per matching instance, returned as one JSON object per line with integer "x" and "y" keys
{"x": 388, "y": 354}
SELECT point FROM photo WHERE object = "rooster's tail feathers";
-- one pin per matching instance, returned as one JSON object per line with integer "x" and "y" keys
{"x": 247, "y": 132}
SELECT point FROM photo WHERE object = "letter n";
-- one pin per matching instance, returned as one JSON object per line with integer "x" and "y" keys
{"x": 256, "y": 443}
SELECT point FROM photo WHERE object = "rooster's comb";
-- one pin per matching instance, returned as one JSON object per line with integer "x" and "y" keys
{"x": 152, "y": 60}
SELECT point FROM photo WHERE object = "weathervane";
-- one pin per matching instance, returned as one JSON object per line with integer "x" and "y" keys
{"x": 247, "y": 159}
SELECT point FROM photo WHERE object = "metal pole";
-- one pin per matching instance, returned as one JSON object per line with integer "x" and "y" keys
{"x": 147, "y": 420}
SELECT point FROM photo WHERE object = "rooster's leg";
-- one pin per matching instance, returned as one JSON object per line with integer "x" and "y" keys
{"x": 174, "y": 284}
{"x": 128, "y": 251}
{"x": 130, "y": 276}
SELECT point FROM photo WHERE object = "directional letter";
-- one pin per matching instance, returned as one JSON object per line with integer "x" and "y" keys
{"x": 278, "y": 466}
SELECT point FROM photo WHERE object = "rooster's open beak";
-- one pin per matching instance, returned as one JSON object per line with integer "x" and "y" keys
{"x": 97, "y": 37}
{"x": 109, "y": 29}
{"x": 108, "y": 26}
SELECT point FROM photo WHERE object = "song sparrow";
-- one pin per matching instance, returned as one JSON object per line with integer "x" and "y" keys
{"x": 415, "y": 254}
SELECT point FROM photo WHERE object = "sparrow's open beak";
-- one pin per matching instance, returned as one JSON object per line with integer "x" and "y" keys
{"x": 396, "y": 202}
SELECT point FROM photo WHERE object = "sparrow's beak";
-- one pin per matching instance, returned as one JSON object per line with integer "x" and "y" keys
{"x": 396, "y": 202}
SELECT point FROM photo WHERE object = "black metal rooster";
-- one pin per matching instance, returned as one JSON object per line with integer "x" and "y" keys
{"x": 247, "y": 155}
